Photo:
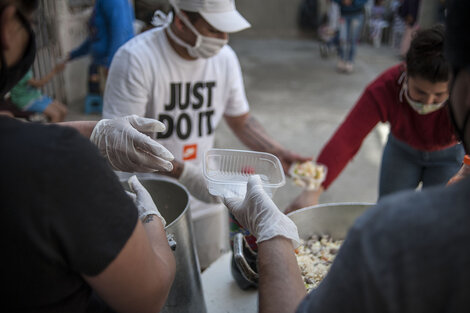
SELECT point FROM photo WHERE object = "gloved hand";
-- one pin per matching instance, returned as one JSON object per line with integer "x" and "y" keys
{"x": 123, "y": 141}
{"x": 192, "y": 178}
{"x": 260, "y": 216}
{"x": 142, "y": 200}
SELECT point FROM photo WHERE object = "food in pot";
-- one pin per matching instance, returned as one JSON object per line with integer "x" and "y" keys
{"x": 315, "y": 257}
{"x": 308, "y": 174}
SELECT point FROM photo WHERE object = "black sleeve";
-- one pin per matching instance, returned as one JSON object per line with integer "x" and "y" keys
{"x": 92, "y": 218}
{"x": 349, "y": 286}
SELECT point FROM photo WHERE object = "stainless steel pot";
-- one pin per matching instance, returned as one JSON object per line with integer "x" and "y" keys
{"x": 172, "y": 200}
{"x": 333, "y": 219}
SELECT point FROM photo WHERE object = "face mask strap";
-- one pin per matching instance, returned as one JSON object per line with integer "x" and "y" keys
{"x": 185, "y": 20}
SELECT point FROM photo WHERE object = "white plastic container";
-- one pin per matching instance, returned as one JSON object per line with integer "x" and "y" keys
{"x": 227, "y": 171}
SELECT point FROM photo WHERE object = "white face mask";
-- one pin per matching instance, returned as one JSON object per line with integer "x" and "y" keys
{"x": 419, "y": 107}
{"x": 205, "y": 47}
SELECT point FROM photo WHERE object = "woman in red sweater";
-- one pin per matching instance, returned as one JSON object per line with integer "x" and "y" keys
{"x": 412, "y": 98}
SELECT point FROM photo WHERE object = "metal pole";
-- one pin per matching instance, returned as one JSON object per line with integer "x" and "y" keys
{"x": 427, "y": 15}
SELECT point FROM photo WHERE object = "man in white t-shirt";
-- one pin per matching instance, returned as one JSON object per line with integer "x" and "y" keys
{"x": 185, "y": 75}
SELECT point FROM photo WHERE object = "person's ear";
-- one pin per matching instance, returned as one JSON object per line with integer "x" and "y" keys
{"x": 7, "y": 19}
{"x": 177, "y": 22}
{"x": 180, "y": 25}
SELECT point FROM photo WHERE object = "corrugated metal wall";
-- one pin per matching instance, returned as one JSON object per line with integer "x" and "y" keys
{"x": 48, "y": 49}
{"x": 47, "y": 22}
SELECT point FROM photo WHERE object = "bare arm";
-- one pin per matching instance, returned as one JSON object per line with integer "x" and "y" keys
{"x": 304, "y": 199}
{"x": 252, "y": 134}
{"x": 140, "y": 277}
{"x": 280, "y": 283}
{"x": 38, "y": 83}
{"x": 83, "y": 127}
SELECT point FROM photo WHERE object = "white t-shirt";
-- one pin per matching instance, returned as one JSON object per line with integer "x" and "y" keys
{"x": 148, "y": 78}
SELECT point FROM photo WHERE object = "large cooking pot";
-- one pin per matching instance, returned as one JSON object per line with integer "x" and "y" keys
{"x": 172, "y": 200}
{"x": 333, "y": 219}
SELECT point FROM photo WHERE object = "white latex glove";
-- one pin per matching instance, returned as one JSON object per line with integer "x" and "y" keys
{"x": 123, "y": 141}
{"x": 192, "y": 178}
{"x": 142, "y": 200}
{"x": 260, "y": 216}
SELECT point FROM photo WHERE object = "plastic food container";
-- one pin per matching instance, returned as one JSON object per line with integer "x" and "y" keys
{"x": 227, "y": 171}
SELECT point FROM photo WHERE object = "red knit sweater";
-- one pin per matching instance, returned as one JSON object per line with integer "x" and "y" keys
{"x": 381, "y": 102}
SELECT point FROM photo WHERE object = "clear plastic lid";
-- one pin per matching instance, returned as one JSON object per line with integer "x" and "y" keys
{"x": 227, "y": 171}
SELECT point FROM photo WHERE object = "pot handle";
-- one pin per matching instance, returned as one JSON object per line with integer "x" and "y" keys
{"x": 171, "y": 241}
{"x": 239, "y": 246}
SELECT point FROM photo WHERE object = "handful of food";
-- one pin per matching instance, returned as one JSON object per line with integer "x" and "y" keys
{"x": 308, "y": 175}
{"x": 315, "y": 257}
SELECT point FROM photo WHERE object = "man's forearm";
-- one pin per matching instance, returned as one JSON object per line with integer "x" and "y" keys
{"x": 280, "y": 283}
{"x": 252, "y": 134}
{"x": 83, "y": 127}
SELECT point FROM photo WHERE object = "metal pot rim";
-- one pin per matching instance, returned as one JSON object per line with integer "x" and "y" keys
{"x": 333, "y": 204}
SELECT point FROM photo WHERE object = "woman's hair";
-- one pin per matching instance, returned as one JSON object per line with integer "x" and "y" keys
{"x": 25, "y": 6}
{"x": 425, "y": 58}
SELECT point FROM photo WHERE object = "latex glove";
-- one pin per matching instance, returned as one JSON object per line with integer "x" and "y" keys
{"x": 192, "y": 178}
{"x": 142, "y": 200}
{"x": 260, "y": 216}
{"x": 123, "y": 141}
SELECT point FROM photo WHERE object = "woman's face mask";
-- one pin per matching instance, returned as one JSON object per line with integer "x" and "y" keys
{"x": 419, "y": 107}
{"x": 205, "y": 47}
{"x": 11, "y": 75}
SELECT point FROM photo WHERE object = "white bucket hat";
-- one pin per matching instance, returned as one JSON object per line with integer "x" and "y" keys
{"x": 221, "y": 14}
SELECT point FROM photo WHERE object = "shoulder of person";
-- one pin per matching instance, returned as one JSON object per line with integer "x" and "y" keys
{"x": 406, "y": 214}
{"x": 49, "y": 149}
{"x": 63, "y": 143}
{"x": 227, "y": 52}
{"x": 142, "y": 43}
{"x": 226, "y": 56}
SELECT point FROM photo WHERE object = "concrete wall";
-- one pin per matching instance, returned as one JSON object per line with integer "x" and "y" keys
{"x": 274, "y": 18}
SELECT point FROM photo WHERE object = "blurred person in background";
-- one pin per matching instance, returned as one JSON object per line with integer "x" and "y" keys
{"x": 408, "y": 12}
{"x": 352, "y": 20}
{"x": 412, "y": 98}
{"x": 110, "y": 26}
{"x": 329, "y": 31}
{"x": 407, "y": 254}
{"x": 185, "y": 75}
{"x": 74, "y": 241}
{"x": 27, "y": 96}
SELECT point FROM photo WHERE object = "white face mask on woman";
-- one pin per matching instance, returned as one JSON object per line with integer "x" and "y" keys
{"x": 419, "y": 107}
{"x": 205, "y": 47}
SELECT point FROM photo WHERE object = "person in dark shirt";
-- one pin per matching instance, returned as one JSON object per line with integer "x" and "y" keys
{"x": 72, "y": 240}
{"x": 409, "y": 253}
